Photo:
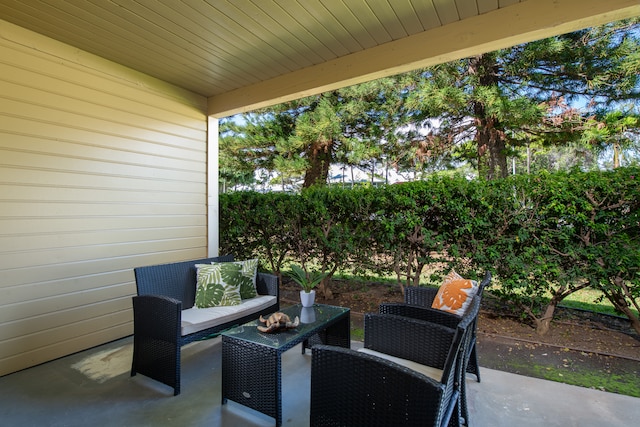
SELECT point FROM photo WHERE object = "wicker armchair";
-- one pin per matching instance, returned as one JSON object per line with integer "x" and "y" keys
{"x": 426, "y": 342}
{"x": 351, "y": 388}
{"x": 417, "y": 304}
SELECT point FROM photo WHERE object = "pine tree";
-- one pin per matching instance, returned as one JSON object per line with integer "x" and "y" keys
{"x": 479, "y": 110}
{"x": 505, "y": 99}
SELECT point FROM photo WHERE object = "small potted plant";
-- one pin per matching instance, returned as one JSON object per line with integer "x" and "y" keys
{"x": 307, "y": 281}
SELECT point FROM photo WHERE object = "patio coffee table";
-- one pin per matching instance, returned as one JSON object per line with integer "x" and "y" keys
{"x": 251, "y": 360}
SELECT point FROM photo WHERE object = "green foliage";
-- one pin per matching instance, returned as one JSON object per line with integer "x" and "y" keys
{"x": 306, "y": 280}
{"x": 618, "y": 130}
{"x": 256, "y": 225}
{"x": 544, "y": 236}
{"x": 302, "y": 138}
{"x": 577, "y": 373}
{"x": 570, "y": 230}
{"x": 479, "y": 110}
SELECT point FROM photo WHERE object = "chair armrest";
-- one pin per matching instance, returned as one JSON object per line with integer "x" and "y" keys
{"x": 157, "y": 317}
{"x": 422, "y": 313}
{"x": 423, "y": 342}
{"x": 486, "y": 281}
{"x": 352, "y": 388}
{"x": 268, "y": 284}
{"x": 420, "y": 296}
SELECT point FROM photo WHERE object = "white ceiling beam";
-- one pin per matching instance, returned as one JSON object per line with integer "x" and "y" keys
{"x": 519, "y": 23}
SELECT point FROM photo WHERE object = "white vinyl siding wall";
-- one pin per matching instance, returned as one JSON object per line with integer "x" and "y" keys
{"x": 102, "y": 169}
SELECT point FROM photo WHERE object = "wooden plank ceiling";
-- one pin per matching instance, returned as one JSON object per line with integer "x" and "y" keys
{"x": 243, "y": 54}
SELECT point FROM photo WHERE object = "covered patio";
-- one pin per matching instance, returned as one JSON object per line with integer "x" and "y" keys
{"x": 94, "y": 387}
{"x": 109, "y": 127}
{"x": 109, "y": 144}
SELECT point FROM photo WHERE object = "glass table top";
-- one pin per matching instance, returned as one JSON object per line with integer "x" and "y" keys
{"x": 312, "y": 319}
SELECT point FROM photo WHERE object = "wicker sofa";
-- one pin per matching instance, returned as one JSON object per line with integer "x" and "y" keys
{"x": 165, "y": 319}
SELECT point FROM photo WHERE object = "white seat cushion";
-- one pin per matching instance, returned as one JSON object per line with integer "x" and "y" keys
{"x": 197, "y": 319}
{"x": 434, "y": 373}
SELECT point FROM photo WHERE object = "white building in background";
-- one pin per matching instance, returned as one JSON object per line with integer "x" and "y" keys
{"x": 348, "y": 175}
{"x": 338, "y": 175}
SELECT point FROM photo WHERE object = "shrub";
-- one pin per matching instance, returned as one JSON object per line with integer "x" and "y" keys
{"x": 543, "y": 236}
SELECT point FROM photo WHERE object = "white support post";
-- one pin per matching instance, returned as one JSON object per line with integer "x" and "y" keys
{"x": 213, "y": 213}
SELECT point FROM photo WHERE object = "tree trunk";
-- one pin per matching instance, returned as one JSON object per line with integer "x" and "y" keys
{"x": 325, "y": 289}
{"x": 544, "y": 323}
{"x": 633, "y": 319}
{"x": 616, "y": 155}
{"x": 492, "y": 158}
{"x": 617, "y": 298}
{"x": 492, "y": 161}
{"x": 320, "y": 155}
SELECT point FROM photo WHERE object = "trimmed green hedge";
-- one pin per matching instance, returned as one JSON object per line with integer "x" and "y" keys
{"x": 542, "y": 236}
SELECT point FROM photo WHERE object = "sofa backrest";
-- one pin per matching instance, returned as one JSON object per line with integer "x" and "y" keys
{"x": 175, "y": 280}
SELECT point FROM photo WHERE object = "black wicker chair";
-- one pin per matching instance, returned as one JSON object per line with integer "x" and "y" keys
{"x": 351, "y": 388}
{"x": 163, "y": 292}
{"x": 426, "y": 343}
{"x": 417, "y": 304}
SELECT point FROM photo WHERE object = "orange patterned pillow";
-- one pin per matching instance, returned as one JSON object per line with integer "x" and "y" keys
{"x": 455, "y": 294}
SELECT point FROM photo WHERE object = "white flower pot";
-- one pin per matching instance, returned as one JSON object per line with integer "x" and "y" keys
{"x": 307, "y": 298}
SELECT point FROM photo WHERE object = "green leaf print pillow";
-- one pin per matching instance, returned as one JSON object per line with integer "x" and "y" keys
{"x": 249, "y": 270}
{"x": 218, "y": 284}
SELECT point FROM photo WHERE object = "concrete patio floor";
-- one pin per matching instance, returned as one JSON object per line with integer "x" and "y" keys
{"x": 94, "y": 388}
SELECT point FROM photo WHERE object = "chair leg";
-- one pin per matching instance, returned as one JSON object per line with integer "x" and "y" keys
{"x": 463, "y": 413}
{"x": 457, "y": 419}
{"x": 473, "y": 367}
